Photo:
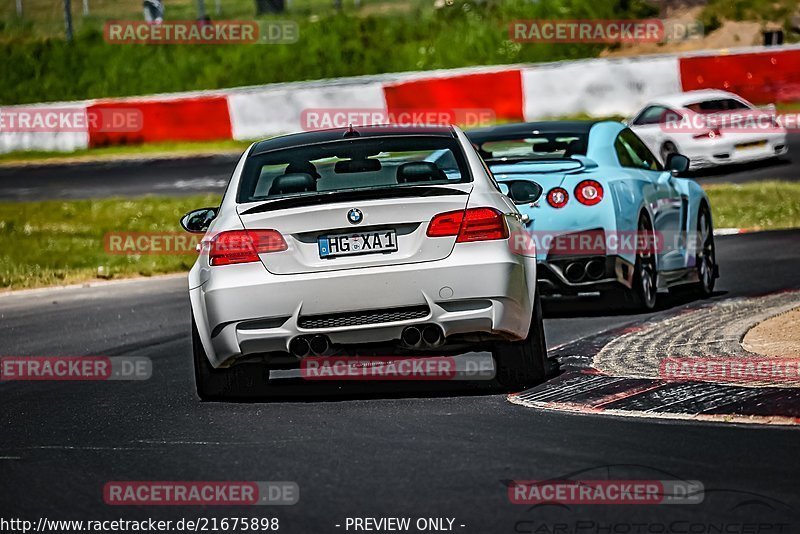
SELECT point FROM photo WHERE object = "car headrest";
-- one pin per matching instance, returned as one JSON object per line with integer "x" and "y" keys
{"x": 576, "y": 147}
{"x": 302, "y": 167}
{"x": 292, "y": 183}
{"x": 419, "y": 171}
{"x": 357, "y": 165}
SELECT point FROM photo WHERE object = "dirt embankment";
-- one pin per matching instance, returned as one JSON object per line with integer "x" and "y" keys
{"x": 778, "y": 336}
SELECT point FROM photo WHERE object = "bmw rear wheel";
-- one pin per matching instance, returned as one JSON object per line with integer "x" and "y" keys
{"x": 524, "y": 363}
{"x": 241, "y": 381}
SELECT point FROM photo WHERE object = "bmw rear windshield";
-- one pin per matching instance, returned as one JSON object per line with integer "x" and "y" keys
{"x": 375, "y": 163}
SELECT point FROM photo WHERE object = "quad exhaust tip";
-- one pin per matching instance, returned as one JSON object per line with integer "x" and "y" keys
{"x": 299, "y": 347}
{"x": 411, "y": 336}
{"x": 432, "y": 335}
{"x": 578, "y": 271}
{"x": 426, "y": 336}
{"x": 595, "y": 269}
{"x": 574, "y": 272}
{"x": 319, "y": 344}
{"x": 302, "y": 346}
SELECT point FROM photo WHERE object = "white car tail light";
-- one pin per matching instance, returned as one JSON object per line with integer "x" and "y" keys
{"x": 243, "y": 246}
{"x": 473, "y": 224}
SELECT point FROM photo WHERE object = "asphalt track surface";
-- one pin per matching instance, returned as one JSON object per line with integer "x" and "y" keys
{"x": 385, "y": 452}
{"x": 210, "y": 174}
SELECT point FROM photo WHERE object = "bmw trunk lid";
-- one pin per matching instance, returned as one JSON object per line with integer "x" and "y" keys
{"x": 350, "y": 231}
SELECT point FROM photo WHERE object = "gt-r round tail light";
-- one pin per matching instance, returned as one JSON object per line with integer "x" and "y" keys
{"x": 589, "y": 192}
{"x": 557, "y": 197}
{"x": 243, "y": 246}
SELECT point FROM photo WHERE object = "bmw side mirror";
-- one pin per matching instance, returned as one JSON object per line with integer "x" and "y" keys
{"x": 522, "y": 191}
{"x": 198, "y": 221}
{"x": 677, "y": 164}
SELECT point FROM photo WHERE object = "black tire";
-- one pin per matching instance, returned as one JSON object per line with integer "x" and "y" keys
{"x": 643, "y": 293}
{"x": 706, "y": 258}
{"x": 666, "y": 149}
{"x": 243, "y": 381}
{"x": 524, "y": 363}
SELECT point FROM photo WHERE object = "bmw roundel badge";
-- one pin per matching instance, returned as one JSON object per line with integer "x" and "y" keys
{"x": 355, "y": 216}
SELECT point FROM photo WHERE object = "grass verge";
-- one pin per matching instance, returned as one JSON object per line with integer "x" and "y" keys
{"x": 767, "y": 205}
{"x": 61, "y": 242}
{"x": 111, "y": 153}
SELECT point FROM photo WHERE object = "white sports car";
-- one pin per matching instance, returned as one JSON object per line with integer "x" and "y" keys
{"x": 336, "y": 242}
{"x": 710, "y": 127}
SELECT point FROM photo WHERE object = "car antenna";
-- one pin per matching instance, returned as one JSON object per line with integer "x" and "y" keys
{"x": 351, "y": 132}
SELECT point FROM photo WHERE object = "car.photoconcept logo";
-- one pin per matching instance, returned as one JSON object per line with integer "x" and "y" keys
{"x": 355, "y": 216}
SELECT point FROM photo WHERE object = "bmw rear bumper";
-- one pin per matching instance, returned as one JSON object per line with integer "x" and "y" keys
{"x": 481, "y": 287}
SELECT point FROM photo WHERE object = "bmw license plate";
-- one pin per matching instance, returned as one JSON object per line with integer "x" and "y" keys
{"x": 359, "y": 243}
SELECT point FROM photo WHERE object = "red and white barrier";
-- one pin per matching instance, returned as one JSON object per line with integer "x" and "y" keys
{"x": 597, "y": 87}
{"x": 593, "y": 87}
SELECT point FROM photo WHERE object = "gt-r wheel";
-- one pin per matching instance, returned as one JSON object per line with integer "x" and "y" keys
{"x": 242, "y": 381}
{"x": 666, "y": 149}
{"x": 524, "y": 363}
{"x": 643, "y": 292}
{"x": 706, "y": 258}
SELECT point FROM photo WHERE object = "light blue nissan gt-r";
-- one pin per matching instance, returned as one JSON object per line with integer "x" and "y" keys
{"x": 611, "y": 218}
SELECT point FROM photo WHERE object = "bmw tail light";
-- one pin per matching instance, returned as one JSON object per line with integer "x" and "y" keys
{"x": 446, "y": 224}
{"x": 557, "y": 197}
{"x": 243, "y": 246}
{"x": 589, "y": 192}
{"x": 482, "y": 224}
{"x": 473, "y": 224}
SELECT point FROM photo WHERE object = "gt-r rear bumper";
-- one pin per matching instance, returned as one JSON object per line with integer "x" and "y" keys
{"x": 589, "y": 274}
{"x": 484, "y": 287}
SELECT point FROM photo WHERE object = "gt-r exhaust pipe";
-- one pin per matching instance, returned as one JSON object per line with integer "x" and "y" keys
{"x": 319, "y": 344}
{"x": 595, "y": 269}
{"x": 299, "y": 347}
{"x": 432, "y": 335}
{"x": 574, "y": 272}
{"x": 411, "y": 337}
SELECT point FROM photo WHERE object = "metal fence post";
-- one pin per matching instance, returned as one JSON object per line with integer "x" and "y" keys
{"x": 68, "y": 18}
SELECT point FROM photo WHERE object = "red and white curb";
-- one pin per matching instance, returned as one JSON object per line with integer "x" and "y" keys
{"x": 734, "y": 231}
{"x": 619, "y": 372}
